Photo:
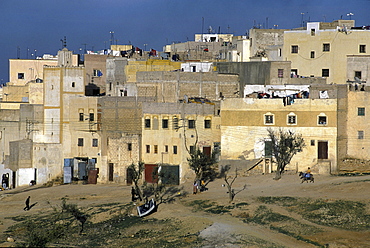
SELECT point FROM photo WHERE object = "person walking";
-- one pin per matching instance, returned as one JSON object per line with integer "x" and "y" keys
{"x": 27, "y": 207}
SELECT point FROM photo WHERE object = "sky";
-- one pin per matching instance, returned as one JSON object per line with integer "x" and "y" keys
{"x": 36, "y": 27}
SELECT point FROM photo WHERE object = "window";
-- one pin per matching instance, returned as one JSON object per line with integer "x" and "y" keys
{"x": 361, "y": 111}
{"x": 207, "y": 123}
{"x": 279, "y": 52}
{"x": 91, "y": 117}
{"x": 280, "y": 73}
{"x": 191, "y": 124}
{"x": 313, "y": 32}
{"x": 322, "y": 120}
{"x": 73, "y": 84}
{"x": 292, "y": 119}
{"x": 312, "y": 54}
{"x": 97, "y": 73}
{"x": 269, "y": 119}
{"x": 294, "y": 49}
{"x": 147, "y": 123}
{"x": 192, "y": 149}
{"x": 20, "y": 75}
{"x": 362, "y": 48}
{"x": 147, "y": 148}
{"x": 174, "y": 149}
{"x": 155, "y": 148}
{"x": 326, "y": 47}
{"x": 166, "y": 148}
{"x": 81, "y": 116}
{"x": 165, "y": 123}
{"x": 325, "y": 73}
{"x": 360, "y": 134}
{"x": 312, "y": 142}
{"x": 80, "y": 142}
{"x": 129, "y": 146}
{"x": 358, "y": 75}
{"x": 95, "y": 142}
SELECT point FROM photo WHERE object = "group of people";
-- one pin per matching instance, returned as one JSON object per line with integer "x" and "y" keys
{"x": 199, "y": 186}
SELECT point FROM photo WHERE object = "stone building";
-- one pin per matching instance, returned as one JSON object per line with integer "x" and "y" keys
{"x": 172, "y": 130}
{"x": 321, "y": 49}
{"x": 245, "y": 122}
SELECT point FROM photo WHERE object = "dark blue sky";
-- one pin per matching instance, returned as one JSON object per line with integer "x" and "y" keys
{"x": 41, "y": 24}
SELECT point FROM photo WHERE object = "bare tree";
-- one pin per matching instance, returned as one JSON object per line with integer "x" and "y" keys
{"x": 136, "y": 173}
{"x": 229, "y": 180}
{"x": 284, "y": 145}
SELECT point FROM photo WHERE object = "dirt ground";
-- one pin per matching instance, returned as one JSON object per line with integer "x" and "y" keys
{"x": 215, "y": 230}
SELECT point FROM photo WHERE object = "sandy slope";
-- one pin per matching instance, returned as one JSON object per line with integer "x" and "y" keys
{"x": 223, "y": 230}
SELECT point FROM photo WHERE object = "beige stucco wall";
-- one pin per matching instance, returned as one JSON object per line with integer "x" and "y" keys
{"x": 182, "y": 138}
{"x": 341, "y": 45}
{"x": 32, "y": 69}
{"x": 149, "y": 65}
{"x": 243, "y": 130}
{"x": 358, "y": 148}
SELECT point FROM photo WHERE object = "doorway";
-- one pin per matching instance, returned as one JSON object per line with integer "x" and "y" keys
{"x": 110, "y": 172}
{"x": 322, "y": 150}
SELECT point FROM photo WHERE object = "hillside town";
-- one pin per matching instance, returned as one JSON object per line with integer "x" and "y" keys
{"x": 90, "y": 116}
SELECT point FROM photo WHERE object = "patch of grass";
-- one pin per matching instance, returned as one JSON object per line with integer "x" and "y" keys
{"x": 296, "y": 236}
{"x": 350, "y": 215}
{"x": 279, "y": 200}
{"x": 210, "y": 207}
{"x": 283, "y": 224}
{"x": 241, "y": 204}
{"x": 264, "y": 216}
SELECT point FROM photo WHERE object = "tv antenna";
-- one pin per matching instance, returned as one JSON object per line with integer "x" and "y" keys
{"x": 64, "y": 42}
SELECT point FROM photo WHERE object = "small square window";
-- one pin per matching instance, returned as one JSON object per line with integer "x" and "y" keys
{"x": 294, "y": 49}
{"x": 165, "y": 123}
{"x": 95, "y": 142}
{"x": 362, "y": 48}
{"x": 325, "y": 73}
{"x": 207, "y": 123}
{"x": 155, "y": 148}
{"x": 280, "y": 73}
{"x": 322, "y": 120}
{"x": 326, "y": 47}
{"x": 191, "y": 124}
{"x": 269, "y": 119}
{"x": 292, "y": 119}
{"x": 147, "y": 148}
{"x": 312, "y": 54}
{"x": 360, "y": 134}
{"x": 20, "y": 75}
{"x": 91, "y": 117}
{"x": 80, "y": 142}
{"x": 174, "y": 149}
{"x": 147, "y": 123}
{"x": 361, "y": 111}
{"x": 97, "y": 73}
{"x": 313, "y": 31}
{"x": 312, "y": 142}
{"x": 358, "y": 74}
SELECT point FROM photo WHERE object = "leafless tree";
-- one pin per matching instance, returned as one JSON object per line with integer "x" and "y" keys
{"x": 284, "y": 145}
{"x": 229, "y": 180}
